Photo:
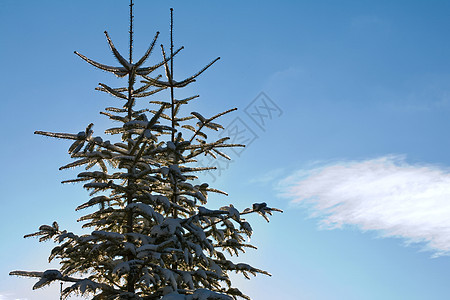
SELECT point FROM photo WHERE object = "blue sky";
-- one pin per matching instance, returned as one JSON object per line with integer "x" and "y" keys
{"x": 356, "y": 151}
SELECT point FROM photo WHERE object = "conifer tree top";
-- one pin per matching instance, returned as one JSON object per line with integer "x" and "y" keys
{"x": 152, "y": 236}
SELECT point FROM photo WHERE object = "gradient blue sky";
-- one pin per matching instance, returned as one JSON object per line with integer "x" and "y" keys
{"x": 359, "y": 158}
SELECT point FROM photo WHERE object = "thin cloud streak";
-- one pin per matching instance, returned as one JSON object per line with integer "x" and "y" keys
{"x": 9, "y": 296}
{"x": 386, "y": 194}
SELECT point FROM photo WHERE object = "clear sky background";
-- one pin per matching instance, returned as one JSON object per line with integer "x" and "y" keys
{"x": 356, "y": 151}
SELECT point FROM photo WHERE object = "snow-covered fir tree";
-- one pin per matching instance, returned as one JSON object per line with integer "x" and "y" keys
{"x": 153, "y": 237}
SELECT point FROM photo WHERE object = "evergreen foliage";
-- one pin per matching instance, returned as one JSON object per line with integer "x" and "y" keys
{"x": 153, "y": 237}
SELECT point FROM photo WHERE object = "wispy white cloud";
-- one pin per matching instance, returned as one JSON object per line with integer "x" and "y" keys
{"x": 268, "y": 177}
{"x": 10, "y": 296}
{"x": 386, "y": 194}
